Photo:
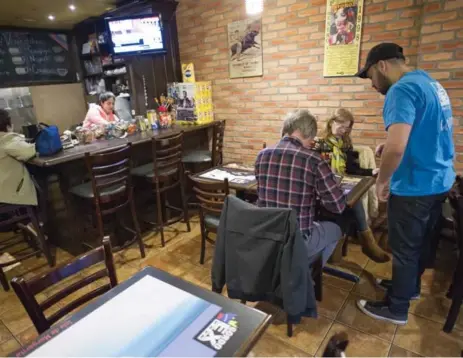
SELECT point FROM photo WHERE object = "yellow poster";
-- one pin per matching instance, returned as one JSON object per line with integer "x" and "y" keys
{"x": 342, "y": 37}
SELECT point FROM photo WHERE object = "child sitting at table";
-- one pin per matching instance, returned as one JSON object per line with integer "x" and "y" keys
{"x": 337, "y": 142}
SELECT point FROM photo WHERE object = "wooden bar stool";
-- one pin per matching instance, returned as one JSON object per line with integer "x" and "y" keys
{"x": 25, "y": 218}
{"x": 212, "y": 157}
{"x": 110, "y": 189}
{"x": 164, "y": 174}
{"x": 211, "y": 197}
{"x": 27, "y": 290}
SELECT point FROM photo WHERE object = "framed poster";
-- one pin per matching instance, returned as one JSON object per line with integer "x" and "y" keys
{"x": 342, "y": 37}
{"x": 245, "y": 48}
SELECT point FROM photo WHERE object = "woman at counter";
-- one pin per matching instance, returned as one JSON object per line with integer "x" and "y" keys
{"x": 102, "y": 113}
{"x": 15, "y": 181}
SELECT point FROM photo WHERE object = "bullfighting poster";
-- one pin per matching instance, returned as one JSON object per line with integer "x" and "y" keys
{"x": 342, "y": 37}
{"x": 245, "y": 48}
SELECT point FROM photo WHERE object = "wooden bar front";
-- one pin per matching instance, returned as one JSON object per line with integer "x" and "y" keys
{"x": 57, "y": 174}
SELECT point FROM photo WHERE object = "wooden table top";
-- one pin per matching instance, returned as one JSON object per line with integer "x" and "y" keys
{"x": 231, "y": 168}
{"x": 154, "y": 314}
{"x": 353, "y": 196}
{"x": 79, "y": 151}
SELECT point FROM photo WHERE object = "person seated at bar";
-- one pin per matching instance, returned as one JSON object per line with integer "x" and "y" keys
{"x": 292, "y": 175}
{"x": 102, "y": 113}
{"x": 15, "y": 181}
{"x": 338, "y": 143}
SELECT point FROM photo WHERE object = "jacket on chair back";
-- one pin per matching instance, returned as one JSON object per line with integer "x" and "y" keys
{"x": 260, "y": 255}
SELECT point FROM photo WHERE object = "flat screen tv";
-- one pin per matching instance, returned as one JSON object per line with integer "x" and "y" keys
{"x": 135, "y": 35}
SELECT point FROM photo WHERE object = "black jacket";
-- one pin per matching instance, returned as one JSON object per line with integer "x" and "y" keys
{"x": 261, "y": 255}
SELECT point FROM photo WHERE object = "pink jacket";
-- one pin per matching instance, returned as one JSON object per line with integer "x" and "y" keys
{"x": 96, "y": 115}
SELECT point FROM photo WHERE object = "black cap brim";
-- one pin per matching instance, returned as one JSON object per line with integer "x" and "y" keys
{"x": 363, "y": 72}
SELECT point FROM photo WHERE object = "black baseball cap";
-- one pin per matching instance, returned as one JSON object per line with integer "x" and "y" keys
{"x": 381, "y": 52}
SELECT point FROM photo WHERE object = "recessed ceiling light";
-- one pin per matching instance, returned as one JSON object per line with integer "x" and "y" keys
{"x": 72, "y": 7}
{"x": 51, "y": 17}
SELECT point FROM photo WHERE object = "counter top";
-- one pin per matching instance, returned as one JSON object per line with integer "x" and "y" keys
{"x": 79, "y": 151}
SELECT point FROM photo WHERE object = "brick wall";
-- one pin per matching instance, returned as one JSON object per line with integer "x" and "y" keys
{"x": 293, "y": 34}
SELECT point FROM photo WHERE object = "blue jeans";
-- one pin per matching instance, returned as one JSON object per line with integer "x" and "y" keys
{"x": 324, "y": 237}
{"x": 411, "y": 223}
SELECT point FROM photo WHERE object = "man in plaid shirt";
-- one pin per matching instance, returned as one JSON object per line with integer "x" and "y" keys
{"x": 291, "y": 175}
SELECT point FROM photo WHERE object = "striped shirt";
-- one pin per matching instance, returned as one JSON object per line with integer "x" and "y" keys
{"x": 292, "y": 176}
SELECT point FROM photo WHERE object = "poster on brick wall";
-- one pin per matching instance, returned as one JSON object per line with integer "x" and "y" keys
{"x": 342, "y": 37}
{"x": 245, "y": 48}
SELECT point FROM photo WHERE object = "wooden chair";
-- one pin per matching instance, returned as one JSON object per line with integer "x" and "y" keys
{"x": 211, "y": 197}
{"x": 164, "y": 174}
{"x": 456, "y": 289}
{"x": 213, "y": 157}
{"x": 25, "y": 218}
{"x": 110, "y": 189}
{"x": 27, "y": 290}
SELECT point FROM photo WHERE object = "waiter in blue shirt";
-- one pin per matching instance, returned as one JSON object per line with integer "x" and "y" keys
{"x": 416, "y": 171}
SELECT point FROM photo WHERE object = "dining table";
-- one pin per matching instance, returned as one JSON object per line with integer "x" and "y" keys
{"x": 152, "y": 314}
{"x": 354, "y": 187}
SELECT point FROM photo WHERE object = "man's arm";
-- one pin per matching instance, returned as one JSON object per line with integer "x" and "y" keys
{"x": 397, "y": 139}
{"x": 399, "y": 116}
{"x": 331, "y": 195}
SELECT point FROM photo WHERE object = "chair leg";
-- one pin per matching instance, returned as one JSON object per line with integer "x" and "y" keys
{"x": 289, "y": 327}
{"x": 345, "y": 246}
{"x": 137, "y": 228}
{"x": 453, "y": 314}
{"x": 186, "y": 217}
{"x": 203, "y": 247}
{"x": 3, "y": 280}
{"x": 160, "y": 220}
{"x": 40, "y": 236}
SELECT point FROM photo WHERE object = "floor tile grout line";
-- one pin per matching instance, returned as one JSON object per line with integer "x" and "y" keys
{"x": 362, "y": 331}
{"x": 323, "y": 340}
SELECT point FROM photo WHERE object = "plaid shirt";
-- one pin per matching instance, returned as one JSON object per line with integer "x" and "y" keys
{"x": 292, "y": 176}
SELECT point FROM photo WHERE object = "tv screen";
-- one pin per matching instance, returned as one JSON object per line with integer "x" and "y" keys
{"x": 136, "y": 35}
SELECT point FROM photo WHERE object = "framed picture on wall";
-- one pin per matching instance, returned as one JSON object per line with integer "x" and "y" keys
{"x": 342, "y": 37}
{"x": 245, "y": 48}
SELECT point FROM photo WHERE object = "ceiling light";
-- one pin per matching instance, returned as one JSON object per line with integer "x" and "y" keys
{"x": 72, "y": 7}
{"x": 51, "y": 17}
{"x": 254, "y": 7}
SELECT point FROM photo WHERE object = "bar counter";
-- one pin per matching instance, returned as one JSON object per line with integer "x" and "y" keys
{"x": 78, "y": 152}
{"x": 58, "y": 173}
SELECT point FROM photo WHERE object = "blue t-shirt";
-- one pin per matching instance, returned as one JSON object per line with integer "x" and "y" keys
{"x": 427, "y": 164}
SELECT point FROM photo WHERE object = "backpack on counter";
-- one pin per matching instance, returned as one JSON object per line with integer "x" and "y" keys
{"x": 48, "y": 141}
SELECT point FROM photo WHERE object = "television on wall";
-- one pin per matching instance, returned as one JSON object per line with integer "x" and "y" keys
{"x": 136, "y": 35}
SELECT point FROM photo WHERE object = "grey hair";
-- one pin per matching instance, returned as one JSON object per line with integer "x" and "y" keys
{"x": 301, "y": 120}
{"x": 106, "y": 96}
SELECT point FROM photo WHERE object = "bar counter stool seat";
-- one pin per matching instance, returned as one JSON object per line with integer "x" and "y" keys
{"x": 197, "y": 156}
{"x": 214, "y": 156}
{"x": 146, "y": 171}
{"x": 110, "y": 190}
{"x": 85, "y": 190}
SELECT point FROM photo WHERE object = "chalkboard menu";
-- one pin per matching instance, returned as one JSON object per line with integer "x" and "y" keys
{"x": 28, "y": 58}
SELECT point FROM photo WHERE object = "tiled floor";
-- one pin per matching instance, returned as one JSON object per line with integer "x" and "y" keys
{"x": 422, "y": 336}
